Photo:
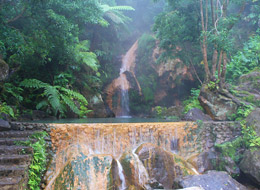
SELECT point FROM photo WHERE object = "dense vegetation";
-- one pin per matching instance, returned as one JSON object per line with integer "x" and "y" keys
{"x": 62, "y": 53}
{"x": 55, "y": 49}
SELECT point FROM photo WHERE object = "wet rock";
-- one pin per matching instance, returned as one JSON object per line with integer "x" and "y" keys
{"x": 250, "y": 164}
{"x": 196, "y": 114}
{"x": 97, "y": 106}
{"x": 212, "y": 180}
{"x": 248, "y": 89}
{"x": 86, "y": 172}
{"x": 134, "y": 171}
{"x": 4, "y": 70}
{"x": 204, "y": 161}
{"x": 253, "y": 119}
{"x": 218, "y": 106}
{"x": 4, "y": 125}
{"x": 161, "y": 165}
{"x": 193, "y": 188}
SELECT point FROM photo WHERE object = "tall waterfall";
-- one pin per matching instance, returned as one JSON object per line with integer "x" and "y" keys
{"x": 128, "y": 63}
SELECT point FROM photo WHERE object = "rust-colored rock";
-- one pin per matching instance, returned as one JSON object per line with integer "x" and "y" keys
{"x": 162, "y": 165}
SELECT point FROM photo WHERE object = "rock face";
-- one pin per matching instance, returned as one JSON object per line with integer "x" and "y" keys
{"x": 213, "y": 180}
{"x": 250, "y": 165}
{"x": 218, "y": 106}
{"x": 196, "y": 114}
{"x": 4, "y": 70}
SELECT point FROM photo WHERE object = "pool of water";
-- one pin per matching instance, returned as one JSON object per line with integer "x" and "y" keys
{"x": 109, "y": 120}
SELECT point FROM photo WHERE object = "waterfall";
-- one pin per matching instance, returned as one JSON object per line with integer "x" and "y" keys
{"x": 143, "y": 176}
{"x": 121, "y": 176}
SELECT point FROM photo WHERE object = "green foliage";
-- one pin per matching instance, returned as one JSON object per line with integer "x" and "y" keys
{"x": 192, "y": 101}
{"x": 250, "y": 137}
{"x": 229, "y": 150}
{"x": 6, "y": 109}
{"x": 159, "y": 111}
{"x": 38, "y": 164}
{"x": 213, "y": 85}
{"x": 245, "y": 60}
{"x": 242, "y": 112}
{"x": 56, "y": 98}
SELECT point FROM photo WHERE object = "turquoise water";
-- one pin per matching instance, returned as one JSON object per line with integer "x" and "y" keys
{"x": 108, "y": 120}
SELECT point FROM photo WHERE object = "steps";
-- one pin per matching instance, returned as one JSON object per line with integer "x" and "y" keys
{"x": 14, "y": 160}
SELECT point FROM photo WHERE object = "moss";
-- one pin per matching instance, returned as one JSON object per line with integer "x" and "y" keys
{"x": 228, "y": 150}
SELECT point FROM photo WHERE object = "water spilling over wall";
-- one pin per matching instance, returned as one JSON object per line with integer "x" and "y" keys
{"x": 87, "y": 155}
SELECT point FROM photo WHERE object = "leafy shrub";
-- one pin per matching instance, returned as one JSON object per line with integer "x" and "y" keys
{"x": 6, "y": 109}
{"x": 245, "y": 60}
{"x": 192, "y": 101}
{"x": 56, "y": 99}
{"x": 38, "y": 164}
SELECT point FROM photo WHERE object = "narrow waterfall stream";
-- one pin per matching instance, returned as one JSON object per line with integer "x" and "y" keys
{"x": 121, "y": 176}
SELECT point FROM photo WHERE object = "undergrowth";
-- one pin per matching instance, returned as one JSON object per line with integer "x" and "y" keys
{"x": 38, "y": 164}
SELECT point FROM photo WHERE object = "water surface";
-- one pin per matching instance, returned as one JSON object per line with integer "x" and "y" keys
{"x": 109, "y": 120}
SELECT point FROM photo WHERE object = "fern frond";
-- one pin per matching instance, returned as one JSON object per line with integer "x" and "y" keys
{"x": 54, "y": 98}
{"x": 75, "y": 95}
{"x": 33, "y": 83}
{"x": 42, "y": 104}
{"x": 70, "y": 103}
{"x": 90, "y": 59}
{"x": 106, "y": 8}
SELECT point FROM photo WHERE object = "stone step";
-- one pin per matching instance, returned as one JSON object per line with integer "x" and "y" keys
{"x": 14, "y": 149}
{"x": 7, "y": 183}
{"x": 15, "y": 159}
{"x": 16, "y": 134}
{"x": 13, "y": 171}
{"x": 11, "y": 141}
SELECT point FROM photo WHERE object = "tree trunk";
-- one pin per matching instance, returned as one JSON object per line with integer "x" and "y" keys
{"x": 204, "y": 42}
{"x": 224, "y": 69}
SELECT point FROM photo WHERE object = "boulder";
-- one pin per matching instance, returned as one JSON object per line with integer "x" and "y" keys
{"x": 135, "y": 172}
{"x": 161, "y": 165}
{"x": 97, "y": 106}
{"x": 196, "y": 114}
{"x": 212, "y": 180}
{"x": 4, "y": 125}
{"x": 248, "y": 88}
{"x": 253, "y": 119}
{"x": 250, "y": 164}
{"x": 4, "y": 70}
{"x": 217, "y": 105}
{"x": 204, "y": 161}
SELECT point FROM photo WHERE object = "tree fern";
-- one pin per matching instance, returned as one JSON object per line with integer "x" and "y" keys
{"x": 114, "y": 13}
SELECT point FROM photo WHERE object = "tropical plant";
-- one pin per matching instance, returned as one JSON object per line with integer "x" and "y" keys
{"x": 38, "y": 164}
{"x": 56, "y": 99}
{"x": 192, "y": 101}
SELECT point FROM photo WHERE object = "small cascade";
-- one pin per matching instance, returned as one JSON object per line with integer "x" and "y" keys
{"x": 143, "y": 176}
{"x": 121, "y": 176}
